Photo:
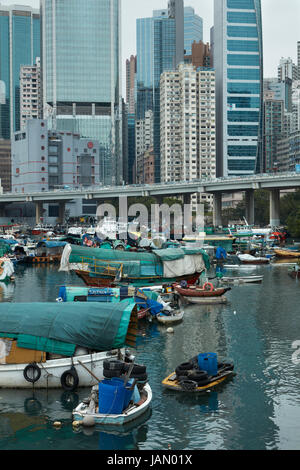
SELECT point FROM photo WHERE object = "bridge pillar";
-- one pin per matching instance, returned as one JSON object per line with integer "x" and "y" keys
{"x": 61, "y": 213}
{"x": 38, "y": 212}
{"x": 217, "y": 213}
{"x": 275, "y": 207}
{"x": 2, "y": 210}
{"x": 250, "y": 208}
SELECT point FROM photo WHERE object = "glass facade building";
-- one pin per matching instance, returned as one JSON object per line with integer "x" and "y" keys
{"x": 19, "y": 45}
{"x": 82, "y": 76}
{"x": 193, "y": 29}
{"x": 238, "y": 61}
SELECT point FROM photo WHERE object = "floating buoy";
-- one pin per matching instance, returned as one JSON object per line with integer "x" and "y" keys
{"x": 57, "y": 424}
{"x": 170, "y": 330}
{"x": 88, "y": 421}
{"x": 76, "y": 424}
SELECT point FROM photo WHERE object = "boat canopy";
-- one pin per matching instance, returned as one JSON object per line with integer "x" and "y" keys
{"x": 63, "y": 326}
{"x": 51, "y": 244}
{"x": 168, "y": 263}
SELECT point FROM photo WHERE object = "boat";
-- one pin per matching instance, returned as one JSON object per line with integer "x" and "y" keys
{"x": 196, "y": 294}
{"x": 6, "y": 270}
{"x": 242, "y": 280}
{"x": 287, "y": 253}
{"x": 192, "y": 378}
{"x": 89, "y": 409}
{"x": 99, "y": 267}
{"x": 253, "y": 260}
{"x": 54, "y": 345}
{"x": 170, "y": 318}
{"x": 45, "y": 252}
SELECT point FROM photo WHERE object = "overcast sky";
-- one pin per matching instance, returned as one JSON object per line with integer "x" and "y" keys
{"x": 281, "y": 25}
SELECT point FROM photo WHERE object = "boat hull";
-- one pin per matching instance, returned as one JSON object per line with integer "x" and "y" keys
{"x": 197, "y": 293}
{"x": 170, "y": 319}
{"x": 174, "y": 384}
{"x": 116, "y": 420}
{"x": 11, "y": 375}
{"x": 205, "y": 300}
{"x": 287, "y": 254}
{"x": 110, "y": 281}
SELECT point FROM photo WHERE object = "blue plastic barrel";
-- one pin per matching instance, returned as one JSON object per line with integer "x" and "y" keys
{"x": 111, "y": 397}
{"x": 128, "y": 393}
{"x": 209, "y": 363}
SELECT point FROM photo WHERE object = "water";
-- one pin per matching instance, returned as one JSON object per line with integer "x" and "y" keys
{"x": 258, "y": 409}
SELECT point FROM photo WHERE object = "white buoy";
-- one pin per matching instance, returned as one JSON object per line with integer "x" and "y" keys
{"x": 88, "y": 421}
{"x": 76, "y": 424}
{"x": 170, "y": 330}
{"x": 57, "y": 424}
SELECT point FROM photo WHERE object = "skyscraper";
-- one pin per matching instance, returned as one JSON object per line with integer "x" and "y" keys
{"x": 82, "y": 76}
{"x": 19, "y": 45}
{"x": 238, "y": 62}
{"x": 160, "y": 47}
{"x": 193, "y": 29}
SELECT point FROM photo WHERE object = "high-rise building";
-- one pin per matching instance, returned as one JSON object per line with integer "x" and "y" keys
{"x": 238, "y": 62}
{"x": 82, "y": 74}
{"x": 30, "y": 92}
{"x": 19, "y": 45}
{"x": 287, "y": 69}
{"x": 160, "y": 47}
{"x": 188, "y": 125}
{"x": 298, "y": 59}
{"x": 131, "y": 84}
{"x": 200, "y": 55}
{"x": 273, "y": 131}
{"x": 193, "y": 29}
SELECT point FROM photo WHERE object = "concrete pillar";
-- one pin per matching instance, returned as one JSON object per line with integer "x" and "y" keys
{"x": 217, "y": 214}
{"x": 250, "y": 209}
{"x": 38, "y": 212}
{"x": 186, "y": 199}
{"x": 275, "y": 207}
{"x": 61, "y": 213}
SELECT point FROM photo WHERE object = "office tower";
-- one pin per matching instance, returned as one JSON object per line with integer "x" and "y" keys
{"x": 298, "y": 59}
{"x": 193, "y": 29}
{"x": 273, "y": 131}
{"x": 131, "y": 84}
{"x": 160, "y": 47}
{"x": 238, "y": 62}
{"x": 296, "y": 106}
{"x": 30, "y": 92}
{"x": 19, "y": 45}
{"x": 82, "y": 76}
{"x": 188, "y": 125}
{"x": 287, "y": 69}
{"x": 143, "y": 145}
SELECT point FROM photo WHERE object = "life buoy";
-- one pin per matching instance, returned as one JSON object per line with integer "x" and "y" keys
{"x": 32, "y": 373}
{"x": 70, "y": 380}
{"x": 208, "y": 287}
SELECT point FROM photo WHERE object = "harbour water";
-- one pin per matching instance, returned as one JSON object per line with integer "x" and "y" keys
{"x": 258, "y": 409}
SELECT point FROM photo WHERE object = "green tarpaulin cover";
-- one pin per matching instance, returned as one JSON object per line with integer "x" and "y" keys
{"x": 95, "y": 326}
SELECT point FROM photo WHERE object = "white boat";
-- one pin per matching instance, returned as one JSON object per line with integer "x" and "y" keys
{"x": 205, "y": 300}
{"x": 168, "y": 319}
{"x": 242, "y": 280}
{"x": 48, "y": 374}
{"x": 130, "y": 414}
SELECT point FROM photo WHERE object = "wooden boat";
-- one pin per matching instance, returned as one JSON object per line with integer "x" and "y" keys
{"x": 224, "y": 373}
{"x": 130, "y": 414}
{"x": 98, "y": 267}
{"x": 285, "y": 253}
{"x": 207, "y": 291}
{"x": 32, "y": 353}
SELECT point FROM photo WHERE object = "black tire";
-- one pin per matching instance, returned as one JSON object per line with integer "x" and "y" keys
{"x": 138, "y": 377}
{"x": 113, "y": 365}
{"x": 197, "y": 376}
{"x": 110, "y": 374}
{"x": 188, "y": 385}
{"x": 203, "y": 383}
{"x": 137, "y": 368}
{"x": 70, "y": 380}
{"x": 32, "y": 373}
{"x": 32, "y": 406}
{"x": 185, "y": 366}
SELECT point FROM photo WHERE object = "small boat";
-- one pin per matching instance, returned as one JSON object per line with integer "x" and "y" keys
{"x": 195, "y": 294}
{"x": 286, "y": 253}
{"x": 253, "y": 260}
{"x": 188, "y": 377}
{"x": 6, "y": 270}
{"x": 168, "y": 318}
{"x": 89, "y": 409}
{"x": 243, "y": 280}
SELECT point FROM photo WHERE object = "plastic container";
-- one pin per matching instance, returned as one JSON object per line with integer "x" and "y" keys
{"x": 209, "y": 363}
{"x": 111, "y": 396}
{"x": 128, "y": 393}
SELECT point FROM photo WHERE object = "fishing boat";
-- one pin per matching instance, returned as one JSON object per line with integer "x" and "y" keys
{"x": 54, "y": 345}
{"x": 45, "y": 252}
{"x": 89, "y": 409}
{"x": 198, "y": 377}
{"x": 99, "y": 267}
{"x": 197, "y": 294}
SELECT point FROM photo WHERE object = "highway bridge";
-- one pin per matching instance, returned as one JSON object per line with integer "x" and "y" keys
{"x": 218, "y": 186}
